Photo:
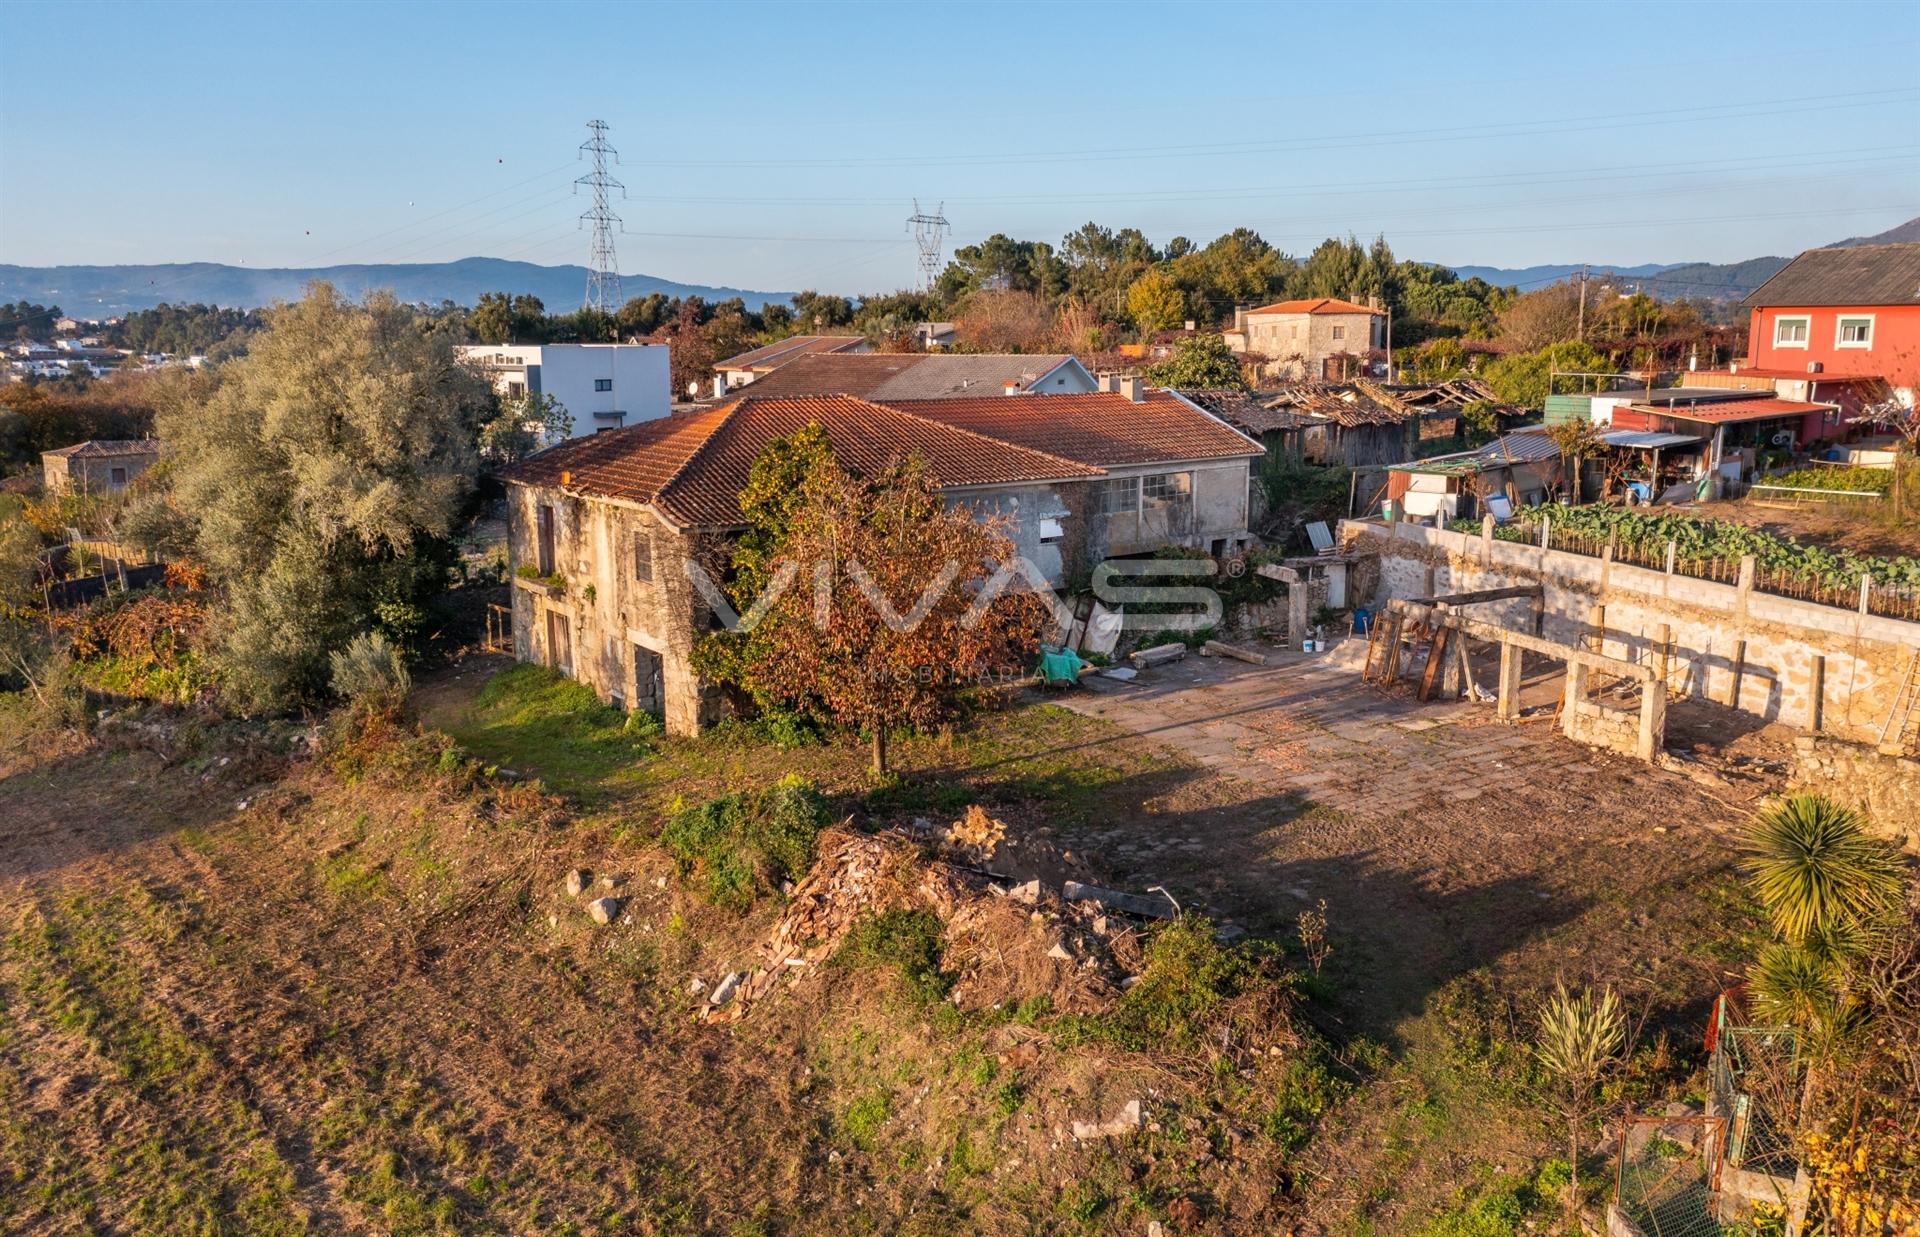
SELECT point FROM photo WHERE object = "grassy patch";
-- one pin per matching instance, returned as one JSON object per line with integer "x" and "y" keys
{"x": 863, "y": 1118}
{"x": 535, "y": 719}
{"x": 1502, "y": 1206}
{"x": 904, "y": 941}
{"x": 741, "y": 846}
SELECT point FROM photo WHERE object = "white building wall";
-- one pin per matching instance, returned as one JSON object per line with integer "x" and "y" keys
{"x": 635, "y": 376}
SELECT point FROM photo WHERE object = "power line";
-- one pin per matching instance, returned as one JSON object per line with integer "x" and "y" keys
{"x": 603, "y": 268}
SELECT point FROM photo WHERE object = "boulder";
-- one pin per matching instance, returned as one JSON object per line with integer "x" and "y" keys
{"x": 577, "y": 881}
{"x": 1126, "y": 1121}
{"x": 604, "y": 910}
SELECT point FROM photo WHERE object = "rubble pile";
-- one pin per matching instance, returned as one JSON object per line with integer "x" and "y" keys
{"x": 1001, "y": 944}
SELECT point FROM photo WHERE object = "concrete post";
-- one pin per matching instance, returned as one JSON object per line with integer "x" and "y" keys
{"x": 1866, "y": 590}
{"x": 1576, "y": 696}
{"x": 1509, "y": 682}
{"x": 1653, "y": 719}
{"x": 1486, "y": 539}
{"x": 1297, "y": 615}
{"x": 1816, "y": 692}
{"x": 1673, "y": 552}
{"x": 1546, "y": 527}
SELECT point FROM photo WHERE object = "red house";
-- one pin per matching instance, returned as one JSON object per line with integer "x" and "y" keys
{"x": 1852, "y": 312}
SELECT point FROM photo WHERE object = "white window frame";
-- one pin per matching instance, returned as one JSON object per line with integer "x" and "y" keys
{"x": 1805, "y": 320}
{"x": 1339, "y": 334}
{"x": 1839, "y": 323}
{"x": 1166, "y": 489}
{"x": 1127, "y": 488}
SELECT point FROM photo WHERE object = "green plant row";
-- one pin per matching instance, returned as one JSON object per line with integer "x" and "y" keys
{"x": 1699, "y": 541}
{"x": 1836, "y": 477}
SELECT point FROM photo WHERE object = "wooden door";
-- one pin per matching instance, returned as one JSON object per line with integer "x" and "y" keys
{"x": 559, "y": 642}
{"x": 649, "y": 682}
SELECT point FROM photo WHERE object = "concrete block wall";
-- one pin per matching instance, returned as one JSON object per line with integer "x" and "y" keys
{"x": 1807, "y": 665}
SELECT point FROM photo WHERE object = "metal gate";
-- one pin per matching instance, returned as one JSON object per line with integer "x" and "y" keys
{"x": 1668, "y": 1183}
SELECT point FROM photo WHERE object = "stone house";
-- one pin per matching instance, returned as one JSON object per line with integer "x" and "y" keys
{"x": 1322, "y": 339}
{"x": 616, "y": 539}
{"x": 99, "y": 465}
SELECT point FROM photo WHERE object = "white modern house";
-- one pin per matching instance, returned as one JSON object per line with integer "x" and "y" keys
{"x": 603, "y": 386}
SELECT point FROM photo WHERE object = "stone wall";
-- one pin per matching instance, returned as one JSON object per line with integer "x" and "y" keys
{"x": 1601, "y": 724}
{"x": 1885, "y": 788}
{"x": 613, "y": 613}
{"x": 1815, "y": 667}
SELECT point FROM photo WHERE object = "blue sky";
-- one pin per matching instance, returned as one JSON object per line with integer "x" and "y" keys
{"x": 780, "y": 145}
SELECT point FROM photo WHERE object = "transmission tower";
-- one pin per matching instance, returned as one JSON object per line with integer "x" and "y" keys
{"x": 603, "y": 268}
{"x": 928, "y": 232}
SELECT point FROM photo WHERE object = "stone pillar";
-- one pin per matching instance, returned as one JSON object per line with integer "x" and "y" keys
{"x": 1296, "y": 614}
{"x": 1816, "y": 692}
{"x": 1509, "y": 682}
{"x": 1576, "y": 696}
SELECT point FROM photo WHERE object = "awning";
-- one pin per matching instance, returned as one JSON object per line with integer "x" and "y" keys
{"x": 1646, "y": 439}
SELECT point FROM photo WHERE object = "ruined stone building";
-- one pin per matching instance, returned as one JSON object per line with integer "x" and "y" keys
{"x": 602, "y": 530}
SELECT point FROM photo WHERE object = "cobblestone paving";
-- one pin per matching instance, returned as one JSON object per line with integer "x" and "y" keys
{"x": 1308, "y": 724}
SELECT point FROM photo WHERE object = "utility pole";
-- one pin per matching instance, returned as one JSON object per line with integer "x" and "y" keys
{"x": 603, "y": 269}
{"x": 928, "y": 231}
{"x": 1580, "y": 332}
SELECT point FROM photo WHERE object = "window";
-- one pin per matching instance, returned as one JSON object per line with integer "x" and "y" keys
{"x": 1166, "y": 488}
{"x": 642, "y": 557}
{"x": 1051, "y": 531}
{"x": 118, "y": 476}
{"x": 544, "y": 523}
{"x": 1855, "y": 332}
{"x": 603, "y": 384}
{"x": 1118, "y": 496}
{"x": 516, "y": 389}
{"x": 1339, "y": 333}
{"x": 1790, "y": 332}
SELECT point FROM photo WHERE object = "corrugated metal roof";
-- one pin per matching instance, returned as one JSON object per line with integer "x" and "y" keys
{"x": 1724, "y": 412}
{"x": 1645, "y": 439}
{"x": 1522, "y": 447}
{"x": 768, "y": 356}
{"x": 1863, "y": 275}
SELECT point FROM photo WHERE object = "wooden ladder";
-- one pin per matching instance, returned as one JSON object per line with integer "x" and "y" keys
{"x": 1903, "y": 719}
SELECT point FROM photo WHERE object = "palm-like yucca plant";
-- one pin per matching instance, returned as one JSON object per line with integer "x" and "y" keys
{"x": 1581, "y": 1035}
{"x": 1818, "y": 875}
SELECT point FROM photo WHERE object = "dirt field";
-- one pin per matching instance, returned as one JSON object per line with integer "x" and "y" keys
{"x": 242, "y": 989}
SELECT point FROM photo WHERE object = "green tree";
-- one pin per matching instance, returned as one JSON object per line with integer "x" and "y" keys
{"x": 1155, "y": 303}
{"x": 1200, "y": 363}
{"x": 1523, "y": 378}
{"x": 521, "y": 425}
{"x": 1581, "y": 1037}
{"x": 323, "y": 476}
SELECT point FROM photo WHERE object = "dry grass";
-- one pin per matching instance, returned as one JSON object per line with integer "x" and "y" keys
{"x": 350, "y": 994}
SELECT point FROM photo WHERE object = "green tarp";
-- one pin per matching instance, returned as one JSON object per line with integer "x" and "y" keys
{"x": 1059, "y": 665}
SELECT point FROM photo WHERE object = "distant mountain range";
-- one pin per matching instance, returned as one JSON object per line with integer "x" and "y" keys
{"x": 1713, "y": 281}
{"x": 104, "y": 291}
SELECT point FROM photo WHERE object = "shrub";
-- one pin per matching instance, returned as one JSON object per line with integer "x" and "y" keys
{"x": 741, "y": 846}
{"x": 902, "y": 940}
{"x": 370, "y": 674}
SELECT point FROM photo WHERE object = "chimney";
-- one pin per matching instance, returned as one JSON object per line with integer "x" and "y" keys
{"x": 1012, "y": 388}
{"x": 566, "y": 478}
{"x": 719, "y": 386}
{"x": 1134, "y": 388}
{"x": 1373, "y": 302}
{"x": 1189, "y": 325}
{"x": 1693, "y": 360}
{"x": 1109, "y": 381}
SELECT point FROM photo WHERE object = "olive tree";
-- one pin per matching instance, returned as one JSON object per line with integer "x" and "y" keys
{"x": 322, "y": 478}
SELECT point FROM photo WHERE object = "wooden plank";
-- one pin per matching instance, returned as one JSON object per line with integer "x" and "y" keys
{"x": 1218, "y": 649}
{"x": 1485, "y": 594}
{"x": 1435, "y": 653}
{"x": 1533, "y": 644}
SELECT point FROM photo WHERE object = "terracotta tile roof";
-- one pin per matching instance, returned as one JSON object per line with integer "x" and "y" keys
{"x": 1863, "y": 275}
{"x": 1103, "y": 428}
{"x": 771, "y": 356}
{"x": 96, "y": 447}
{"x": 1244, "y": 411}
{"x": 1318, "y": 305}
{"x": 893, "y": 376}
{"x": 833, "y": 373}
{"x": 693, "y": 467}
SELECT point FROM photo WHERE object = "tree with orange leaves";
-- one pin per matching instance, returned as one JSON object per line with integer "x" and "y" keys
{"x": 899, "y": 606}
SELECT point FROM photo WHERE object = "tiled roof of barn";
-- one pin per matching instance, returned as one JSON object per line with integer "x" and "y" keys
{"x": 693, "y": 467}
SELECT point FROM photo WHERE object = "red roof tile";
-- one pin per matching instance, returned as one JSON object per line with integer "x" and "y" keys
{"x": 1103, "y": 428}
{"x": 693, "y": 467}
{"x": 1318, "y": 305}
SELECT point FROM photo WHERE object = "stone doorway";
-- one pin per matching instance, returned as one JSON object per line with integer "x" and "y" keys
{"x": 649, "y": 682}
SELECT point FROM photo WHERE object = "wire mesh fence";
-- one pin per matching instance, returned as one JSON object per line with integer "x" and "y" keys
{"x": 1668, "y": 1179}
{"x": 1755, "y": 1079}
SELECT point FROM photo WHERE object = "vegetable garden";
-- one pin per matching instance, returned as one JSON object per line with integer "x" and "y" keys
{"x": 1712, "y": 550}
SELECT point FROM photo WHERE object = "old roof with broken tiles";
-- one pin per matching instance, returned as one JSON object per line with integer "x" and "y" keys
{"x": 692, "y": 467}
{"x": 893, "y": 376}
{"x": 1103, "y": 428}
